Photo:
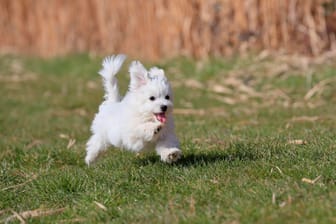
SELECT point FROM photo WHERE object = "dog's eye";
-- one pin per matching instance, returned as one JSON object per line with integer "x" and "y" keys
{"x": 152, "y": 98}
{"x": 167, "y": 97}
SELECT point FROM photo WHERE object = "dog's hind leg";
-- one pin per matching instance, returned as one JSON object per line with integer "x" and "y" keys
{"x": 94, "y": 146}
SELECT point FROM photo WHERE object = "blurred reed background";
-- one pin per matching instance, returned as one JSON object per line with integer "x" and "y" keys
{"x": 160, "y": 28}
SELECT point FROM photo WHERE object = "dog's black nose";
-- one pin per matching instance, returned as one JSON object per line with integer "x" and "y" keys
{"x": 163, "y": 108}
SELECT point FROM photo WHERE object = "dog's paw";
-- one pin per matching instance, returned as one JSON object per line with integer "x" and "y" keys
{"x": 157, "y": 130}
{"x": 171, "y": 155}
{"x": 174, "y": 156}
{"x": 157, "y": 127}
{"x": 89, "y": 160}
{"x": 151, "y": 131}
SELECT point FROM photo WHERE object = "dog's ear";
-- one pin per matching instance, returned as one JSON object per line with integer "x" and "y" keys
{"x": 138, "y": 75}
{"x": 155, "y": 71}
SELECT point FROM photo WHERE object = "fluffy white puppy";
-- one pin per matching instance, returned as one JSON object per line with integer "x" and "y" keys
{"x": 141, "y": 120}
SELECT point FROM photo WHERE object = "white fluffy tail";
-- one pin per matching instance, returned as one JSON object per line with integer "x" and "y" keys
{"x": 111, "y": 66}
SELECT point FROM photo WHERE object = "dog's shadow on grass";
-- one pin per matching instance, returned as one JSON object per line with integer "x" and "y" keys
{"x": 205, "y": 158}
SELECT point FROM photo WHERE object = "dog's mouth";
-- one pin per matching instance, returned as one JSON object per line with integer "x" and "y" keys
{"x": 161, "y": 117}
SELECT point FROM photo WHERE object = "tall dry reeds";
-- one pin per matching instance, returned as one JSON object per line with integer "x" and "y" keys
{"x": 160, "y": 28}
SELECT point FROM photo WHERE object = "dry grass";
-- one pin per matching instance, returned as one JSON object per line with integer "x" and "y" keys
{"x": 31, "y": 214}
{"x": 156, "y": 29}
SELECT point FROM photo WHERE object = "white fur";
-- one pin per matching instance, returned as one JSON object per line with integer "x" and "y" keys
{"x": 130, "y": 123}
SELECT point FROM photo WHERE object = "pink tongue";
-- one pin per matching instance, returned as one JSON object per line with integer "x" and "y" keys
{"x": 161, "y": 117}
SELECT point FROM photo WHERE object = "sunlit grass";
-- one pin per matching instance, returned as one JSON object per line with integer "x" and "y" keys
{"x": 240, "y": 162}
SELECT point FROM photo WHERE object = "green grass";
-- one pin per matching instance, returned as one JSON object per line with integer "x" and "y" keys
{"x": 239, "y": 165}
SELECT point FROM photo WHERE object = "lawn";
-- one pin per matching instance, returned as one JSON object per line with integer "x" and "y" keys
{"x": 257, "y": 133}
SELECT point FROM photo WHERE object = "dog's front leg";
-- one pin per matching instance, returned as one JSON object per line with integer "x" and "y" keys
{"x": 168, "y": 147}
{"x": 150, "y": 130}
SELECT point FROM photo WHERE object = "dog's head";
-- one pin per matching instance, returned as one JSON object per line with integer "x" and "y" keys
{"x": 152, "y": 91}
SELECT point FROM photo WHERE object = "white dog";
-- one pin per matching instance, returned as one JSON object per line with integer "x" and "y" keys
{"x": 142, "y": 119}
